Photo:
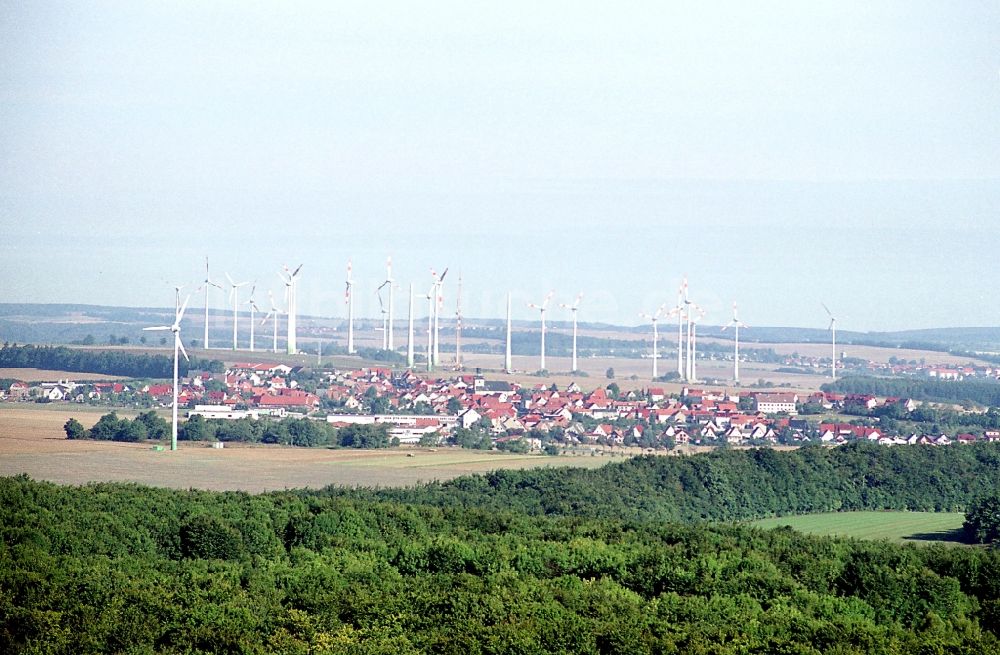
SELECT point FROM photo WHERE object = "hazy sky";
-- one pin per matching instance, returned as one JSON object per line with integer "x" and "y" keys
{"x": 777, "y": 153}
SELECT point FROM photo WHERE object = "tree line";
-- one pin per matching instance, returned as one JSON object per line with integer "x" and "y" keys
{"x": 728, "y": 485}
{"x": 286, "y": 432}
{"x": 105, "y": 362}
{"x": 983, "y": 392}
{"x": 118, "y": 567}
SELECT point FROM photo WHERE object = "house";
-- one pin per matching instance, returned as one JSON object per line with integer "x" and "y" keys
{"x": 468, "y": 418}
{"x": 773, "y": 403}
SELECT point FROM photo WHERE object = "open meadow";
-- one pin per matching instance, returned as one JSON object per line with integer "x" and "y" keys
{"x": 923, "y": 527}
{"x": 32, "y": 441}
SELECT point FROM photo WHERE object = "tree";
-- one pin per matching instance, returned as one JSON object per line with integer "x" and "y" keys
{"x": 610, "y": 373}
{"x": 74, "y": 429}
{"x": 454, "y": 405}
{"x": 364, "y": 436}
{"x": 614, "y": 390}
{"x": 982, "y": 519}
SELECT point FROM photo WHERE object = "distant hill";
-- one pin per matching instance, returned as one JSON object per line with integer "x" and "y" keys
{"x": 65, "y": 323}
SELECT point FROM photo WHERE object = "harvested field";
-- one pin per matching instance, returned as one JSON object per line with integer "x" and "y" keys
{"x": 43, "y": 375}
{"x": 32, "y": 441}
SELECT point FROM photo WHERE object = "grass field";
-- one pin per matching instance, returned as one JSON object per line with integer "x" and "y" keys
{"x": 895, "y": 526}
{"x": 32, "y": 441}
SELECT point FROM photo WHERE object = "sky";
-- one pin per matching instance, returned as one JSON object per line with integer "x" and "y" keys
{"x": 777, "y": 154}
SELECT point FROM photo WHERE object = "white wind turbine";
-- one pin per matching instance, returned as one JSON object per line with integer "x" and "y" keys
{"x": 409, "y": 332}
{"x": 736, "y": 324}
{"x": 654, "y": 318}
{"x": 291, "y": 279}
{"x": 688, "y": 313}
{"x": 573, "y": 308}
{"x": 273, "y": 315}
{"x": 431, "y": 303}
{"x": 387, "y": 340}
{"x": 508, "y": 365}
{"x": 208, "y": 283}
{"x": 178, "y": 350}
{"x": 383, "y": 312}
{"x": 253, "y": 309}
{"x": 234, "y": 296}
{"x": 458, "y": 324}
{"x": 679, "y": 310}
{"x": 833, "y": 341}
{"x": 349, "y": 300}
{"x": 694, "y": 341}
{"x": 541, "y": 309}
{"x": 439, "y": 302}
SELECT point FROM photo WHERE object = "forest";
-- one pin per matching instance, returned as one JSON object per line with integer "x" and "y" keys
{"x": 982, "y": 392}
{"x": 550, "y": 561}
{"x": 105, "y": 362}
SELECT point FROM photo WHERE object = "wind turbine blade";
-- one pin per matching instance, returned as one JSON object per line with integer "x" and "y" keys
{"x": 441, "y": 279}
{"x": 181, "y": 346}
{"x": 230, "y": 280}
{"x": 180, "y": 314}
{"x": 297, "y": 270}
{"x": 826, "y": 308}
{"x": 158, "y": 328}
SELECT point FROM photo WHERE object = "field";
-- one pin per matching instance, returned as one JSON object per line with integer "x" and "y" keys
{"x": 32, "y": 441}
{"x": 895, "y": 526}
{"x": 42, "y": 375}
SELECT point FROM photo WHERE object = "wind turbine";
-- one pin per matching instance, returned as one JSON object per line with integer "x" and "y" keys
{"x": 273, "y": 315}
{"x": 382, "y": 310}
{"x": 507, "y": 363}
{"x": 679, "y": 309}
{"x": 349, "y": 299}
{"x": 291, "y": 281}
{"x": 178, "y": 349}
{"x": 253, "y": 309}
{"x": 458, "y": 324}
{"x": 688, "y": 315}
{"x": 409, "y": 332}
{"x": 655, "y": 317}
{"x": 431, "y": 303}
{"x": 234, "y": 296}
{"x": 736, "y": 324}
{"x": 541, "y": 309}
{"x": 389, "y": 282}
{"x": 694, "y": 341}
{"x": 439, "y": 298}
{"x": 573, "y": 308}
{"x": 208, "y": 283}
{"x": 833, "y": 341}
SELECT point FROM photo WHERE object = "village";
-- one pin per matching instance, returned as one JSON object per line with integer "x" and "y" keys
{"x": 427, "y": 411}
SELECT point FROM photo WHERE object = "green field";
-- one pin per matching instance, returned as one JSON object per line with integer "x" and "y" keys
{"x": 896, "y": 526}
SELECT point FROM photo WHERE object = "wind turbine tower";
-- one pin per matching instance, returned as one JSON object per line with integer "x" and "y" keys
{"x": 291, "y": 284}
{"x": 178, "y": 349}
{"x": 273, "y": 315}
{"x": 409, "y": 333}
{"x": 253, "y": 309}
{"x": 833, "y": 342}
{"x": 507, "y": 364}
{"x": 431, "y": 303}
{"x": 679, "y": 309}
{"x": 387, "y": 340}
{"x": 208, "y": 283}
{"x": 541, "y": 309}
{"x": 654, "y": 318}
{"x": 573, "y": 308}
{"x": 349, "y": 299}
{"x": 234, "y": 293}
{"x": 458, "y": 324}
{"x": 736, "y": 324}
{"x": 694, "y": 343}
{"x": 438, "y": 303}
